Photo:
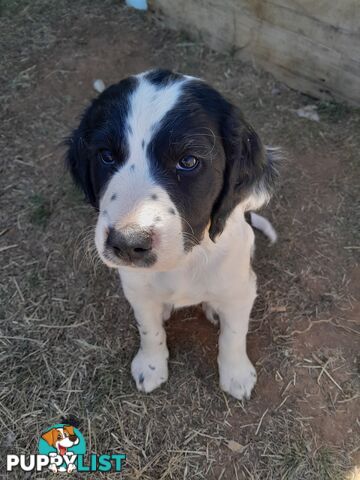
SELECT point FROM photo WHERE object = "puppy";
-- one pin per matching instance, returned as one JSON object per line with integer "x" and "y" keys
{"x": 62, "y": 439}
{"x": 172, "y": 167}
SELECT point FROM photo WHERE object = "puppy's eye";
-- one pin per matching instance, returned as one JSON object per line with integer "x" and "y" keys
{"x": 187, "y": 163}
{"x": 106, "y": 157}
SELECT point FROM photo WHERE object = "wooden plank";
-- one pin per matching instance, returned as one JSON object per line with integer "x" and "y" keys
{"x": 312, "y": 46}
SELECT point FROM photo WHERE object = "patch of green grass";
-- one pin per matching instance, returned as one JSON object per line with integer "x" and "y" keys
{"x": 11, "y": 7}
{"x": 298, "y": 462}
{"x": 184, "y": 37}
{"x": 74, "y": 194}
{"x": 34, "y": 279}
{"x": 40, "y": 210}
{"x": 332, "y": 111}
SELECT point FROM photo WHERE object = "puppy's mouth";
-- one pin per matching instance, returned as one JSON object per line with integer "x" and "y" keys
{"x": 132, "y": 246}
{"x": 157, "y": 247}
{"x": 122, "y": 259}
{"x": 62, "y": 450}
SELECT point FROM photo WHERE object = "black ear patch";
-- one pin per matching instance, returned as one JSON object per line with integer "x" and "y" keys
{"x": 78, "y": 163}
{"x": 102, "y": 127}
{"x": 250, "y": 171}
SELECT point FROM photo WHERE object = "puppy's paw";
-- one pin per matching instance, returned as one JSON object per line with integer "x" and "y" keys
{"x": 237, "y": 380}
{"x": 149, "y": 371}
{"x": 210, "y": 313}
{"x": 71, "y": 468}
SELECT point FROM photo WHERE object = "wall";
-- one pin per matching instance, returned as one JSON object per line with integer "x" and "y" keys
{"x": 312, "y": 45}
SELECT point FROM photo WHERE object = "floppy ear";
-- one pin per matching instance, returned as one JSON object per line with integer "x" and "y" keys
{"x": 50, "y": 437}
{"x": 69, "y": 429}
{"x": 250, "y": 171}
{"x": 78, "y": 162}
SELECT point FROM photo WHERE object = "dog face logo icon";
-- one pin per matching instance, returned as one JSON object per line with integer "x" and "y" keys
{"x": 62, "y": 443}
{"x": 61, "y": 438}
{"x": 62, "y": 448}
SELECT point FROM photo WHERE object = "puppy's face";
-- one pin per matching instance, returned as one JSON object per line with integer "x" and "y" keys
{"x": 164, "y": 158}
{"x": 61, "y": 438}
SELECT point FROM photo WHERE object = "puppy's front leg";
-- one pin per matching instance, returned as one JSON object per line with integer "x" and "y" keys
{"x": 236, "y": 372}
{"x": 149, "y": 367}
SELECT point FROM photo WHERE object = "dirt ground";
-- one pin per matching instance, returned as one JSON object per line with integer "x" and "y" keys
{"x": 67, "y": 336}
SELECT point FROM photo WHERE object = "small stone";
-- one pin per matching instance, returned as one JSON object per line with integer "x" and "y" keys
{"x": 99, "y": 85}
{"x": 309, "y": 112}
{"x": 235, "y": 446}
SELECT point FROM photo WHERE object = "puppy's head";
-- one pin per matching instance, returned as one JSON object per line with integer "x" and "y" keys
{"x": 165, "y": 159}
{"x": 61, "y": 437}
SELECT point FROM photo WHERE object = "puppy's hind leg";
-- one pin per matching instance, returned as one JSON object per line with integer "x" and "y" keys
{"x": 149, "y": 367}
{"x": 210, "y": 313}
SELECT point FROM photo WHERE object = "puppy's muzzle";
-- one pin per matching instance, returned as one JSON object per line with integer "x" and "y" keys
{"x": 131, "y": 245}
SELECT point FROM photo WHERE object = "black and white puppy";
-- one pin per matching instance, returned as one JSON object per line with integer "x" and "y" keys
{"x": 172, "y": 167}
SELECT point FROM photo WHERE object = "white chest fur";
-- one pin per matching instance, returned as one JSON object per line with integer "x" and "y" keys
{"x": 218, "y": 274}
{"x": 210, "y": 271}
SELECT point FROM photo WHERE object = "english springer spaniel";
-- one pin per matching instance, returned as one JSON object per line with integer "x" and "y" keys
{"x": 172, "y": 168}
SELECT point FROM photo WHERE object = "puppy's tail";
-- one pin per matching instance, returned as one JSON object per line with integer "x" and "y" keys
{"x": 262, "y": 224}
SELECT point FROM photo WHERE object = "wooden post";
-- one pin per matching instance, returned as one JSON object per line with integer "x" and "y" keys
{"x": 313, "y": 46}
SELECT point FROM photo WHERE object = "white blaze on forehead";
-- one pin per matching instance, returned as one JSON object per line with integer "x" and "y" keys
{"x": 133, "y": 184}
{"x": 149, "y": 104}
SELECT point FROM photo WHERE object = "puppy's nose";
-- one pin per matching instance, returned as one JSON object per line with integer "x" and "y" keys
{"x": 131, "y": 243}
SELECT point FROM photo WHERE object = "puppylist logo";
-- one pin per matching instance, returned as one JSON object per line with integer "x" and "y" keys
{"x": 62, "y": 448}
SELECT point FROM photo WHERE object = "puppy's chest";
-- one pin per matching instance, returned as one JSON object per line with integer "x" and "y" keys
{"x": 186, "y": 287}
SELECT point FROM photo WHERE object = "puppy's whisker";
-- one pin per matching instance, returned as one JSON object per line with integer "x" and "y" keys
{"x": 190, "y": 238}
{"x": 85, "y": 248}
{"x": 185, "y": 221}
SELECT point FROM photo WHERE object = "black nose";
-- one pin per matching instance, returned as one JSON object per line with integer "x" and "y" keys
{"x": 131, "y": 243}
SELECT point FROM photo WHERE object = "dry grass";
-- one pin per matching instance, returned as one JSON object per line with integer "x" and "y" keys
{"x": 67, "y": 336}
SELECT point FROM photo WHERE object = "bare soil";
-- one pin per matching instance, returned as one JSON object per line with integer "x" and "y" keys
{"x": 67, "y": 335}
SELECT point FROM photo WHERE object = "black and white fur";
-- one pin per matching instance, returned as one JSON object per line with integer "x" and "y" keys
{"x": 177, "y": 236}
